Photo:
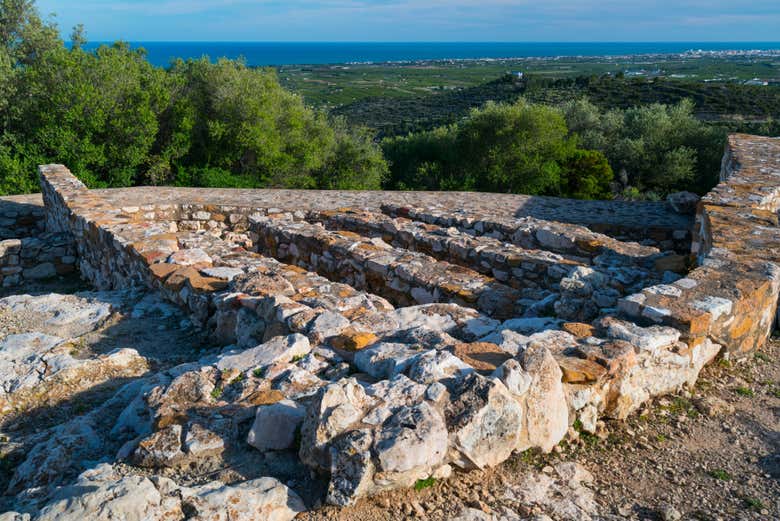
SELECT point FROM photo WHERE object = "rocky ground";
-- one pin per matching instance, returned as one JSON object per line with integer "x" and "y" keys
{"x": 713, "y": 454}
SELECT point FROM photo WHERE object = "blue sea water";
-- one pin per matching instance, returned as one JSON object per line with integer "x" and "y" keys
{"x": 290, "y": 53}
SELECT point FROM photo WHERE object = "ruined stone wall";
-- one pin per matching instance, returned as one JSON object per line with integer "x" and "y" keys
{"x": 27, "y": 250}
{"x": 451, "y": 309}
{"x": 731, "y": 298}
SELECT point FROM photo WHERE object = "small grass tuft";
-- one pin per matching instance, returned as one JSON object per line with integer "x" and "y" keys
{"x": 259, "y": 372}
{"x": 720, "y": 474}
{"x": 422, "y": 484}
{"x": 216, "y": 392}
{"x": 680, "y": 406}
{"x": 744, "y": 391}
{"x": 763, "y": 357}
{"x": 297, "y": 358}
{"x": 753, "y": 503}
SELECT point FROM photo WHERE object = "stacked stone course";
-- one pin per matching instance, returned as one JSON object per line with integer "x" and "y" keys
{"x": 27, "y": 250}
{"x": 409, "y": 334}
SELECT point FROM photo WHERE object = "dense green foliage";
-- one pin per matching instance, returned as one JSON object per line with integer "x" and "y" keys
{"x": 116, "y": 120}
{"x": 571, "y": 151}
{"x": 520, "y": 148}
{"x": 653, "y": 148}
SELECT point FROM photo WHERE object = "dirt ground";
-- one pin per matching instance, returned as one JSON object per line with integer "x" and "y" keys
{"x": 712, "y": 454}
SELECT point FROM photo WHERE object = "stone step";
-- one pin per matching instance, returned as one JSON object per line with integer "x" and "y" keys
{"x": 404, "y": 277}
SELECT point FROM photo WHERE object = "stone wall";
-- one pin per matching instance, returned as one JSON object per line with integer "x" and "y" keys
{"x": 731, "y": 298}
{"x": 445, "y": 330}
{"x": 27, "y": 250}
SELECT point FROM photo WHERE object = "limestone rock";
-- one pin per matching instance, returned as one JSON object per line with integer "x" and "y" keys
{"x": 546, "y": 412}
{"x": 433, "y": 366}
{"x": 253, "y": 500}
{"x": 351, "y": 467}
{"x": 563, "y": 495}
{"x": 484, "y": 421}
{"x": 190, "y": 257}
{"x": 414, "y": 438}
{"x": 335, "y": 408}
{"x": 104, "y": 494}
{"x": 275, "y": 425}
{"x": 276, "y": 350}
{"x": 65, "y": 316}
{"x": 36, "y": 368}
{"x": 651, "y": 339}
{"x": 386, "y": 359}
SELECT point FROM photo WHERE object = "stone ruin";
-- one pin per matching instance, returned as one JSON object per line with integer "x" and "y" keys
{"x": 388, "y": 337}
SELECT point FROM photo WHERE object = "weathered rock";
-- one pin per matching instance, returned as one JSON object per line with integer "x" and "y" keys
{"x": 484, "y": 421}
{"x": 563, "y": 496}
{"x": 276, "y": 425}
{"x": 413, "y": 440}
{"x": 484, "y": 357}
{"x": 103, "y": 493}
{"x": 433, "y": 366}
{"x": 65, "y": 316}
{"x": 386, "y": 359}
{"x": 276, "y": 350}
{"x": 546, "y": 417}
{"x": 335, "y": 408}
{"x": 651, "y": 339}
{"x": 263, "y": 498}
{"x": 36, "y": 368}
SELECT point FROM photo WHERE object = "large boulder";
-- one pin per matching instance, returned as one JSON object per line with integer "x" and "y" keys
{"x": 66, "y": 316}
{"x": 484, "y": 421}
{"x": 282, "y": 349}
{"x": 335, "y": 409}
{"x": 259, "y": 499}
{"x": 103, "y": 493}
{"x": 546, "y": 418}
{"x": 412, "y": 440}
{"x": 36, "y": 369}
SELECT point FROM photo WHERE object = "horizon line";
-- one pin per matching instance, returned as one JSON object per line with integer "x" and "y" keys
{"x": 442, "y": 41}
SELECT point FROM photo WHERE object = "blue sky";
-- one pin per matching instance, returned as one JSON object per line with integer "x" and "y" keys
{"x": 421, "y": 20}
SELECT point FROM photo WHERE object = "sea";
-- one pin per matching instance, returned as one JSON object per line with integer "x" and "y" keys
{"x": 317, "y": 53}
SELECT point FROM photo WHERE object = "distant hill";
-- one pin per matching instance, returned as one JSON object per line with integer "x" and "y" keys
{"x": 716, "y": 101}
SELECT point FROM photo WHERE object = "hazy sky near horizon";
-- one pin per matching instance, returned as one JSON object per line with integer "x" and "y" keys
{"x": 420, "y": 20}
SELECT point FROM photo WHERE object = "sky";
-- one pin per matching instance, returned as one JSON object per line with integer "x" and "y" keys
{"x": 420, "y": 20}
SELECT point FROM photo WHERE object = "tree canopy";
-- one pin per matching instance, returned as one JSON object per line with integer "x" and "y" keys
{"x": 116, "y": 120}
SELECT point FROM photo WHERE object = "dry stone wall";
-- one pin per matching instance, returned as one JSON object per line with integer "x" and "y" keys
{"x": 27, "y": 250}
{"x": 403, "y": 335}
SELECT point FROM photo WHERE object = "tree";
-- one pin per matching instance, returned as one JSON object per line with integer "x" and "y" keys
{"x": 513, "y": 148}
{"x": 661, "y": 148}
{"x": 116, "y": 120}
{"x": 585, "y": 174}
{"x": 96, "y": 111}
{"x": 356, "y": 161}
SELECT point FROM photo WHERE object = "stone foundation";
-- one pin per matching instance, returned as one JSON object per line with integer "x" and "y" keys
{"x": 405, "y": 334}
